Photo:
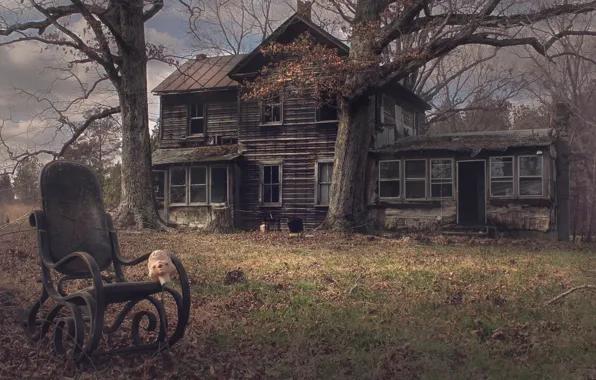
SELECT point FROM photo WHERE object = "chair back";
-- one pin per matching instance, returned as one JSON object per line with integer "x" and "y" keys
{"x": 75, "y": 217}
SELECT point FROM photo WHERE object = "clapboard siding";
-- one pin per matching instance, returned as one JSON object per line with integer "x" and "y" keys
{"x": 173, "y": 124}
{"x": 222, "y": 119}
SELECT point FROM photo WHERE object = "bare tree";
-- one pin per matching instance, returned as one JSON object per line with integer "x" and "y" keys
{"x": 433, "y": 30}
{"x": 106, "y": 36}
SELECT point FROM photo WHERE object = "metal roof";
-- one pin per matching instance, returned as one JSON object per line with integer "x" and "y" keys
{"x": 474, "y": 142}
{"x": 198, "y": 154}
{"x": 201, "y": 74}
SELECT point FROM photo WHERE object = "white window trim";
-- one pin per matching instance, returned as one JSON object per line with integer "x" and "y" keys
{"x": 519, "y": 176}
{"x": 399, "y": 180}
{"x": 261, "y": 184}
{"x": 262, "y": 104}
{"x": 430, "y": 173}
{"x": 170, "y": 186}
{"x": 426, "y": 175}
{"x": 188, "y": 185}
{"x": 490, "y": 177}
{"x": 317, "y": 183}
{"x": 190, "y": 118}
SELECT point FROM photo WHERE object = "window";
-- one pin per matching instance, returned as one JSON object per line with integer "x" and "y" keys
{"x": 408, "y": 122}
{"x": 327, "y": 111}
{"x": 196, "y": 123}
{"x": 219, "y": 184}
{"x": 198, "y": 185}
{"x": 271, "y": 184}
{"x": 415, "y": 179}
{"x": 501, "y": 177}
{"x": 530, "y": 175}
{"x": 178, "y": 186}
{"x": 324, "y": 175}
{"x": 271, "y": 109}
{"x": 389, "y": 185}
{"x": 441, "y": 178}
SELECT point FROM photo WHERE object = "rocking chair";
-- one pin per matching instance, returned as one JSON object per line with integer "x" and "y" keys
{"x": 76, "y": 239}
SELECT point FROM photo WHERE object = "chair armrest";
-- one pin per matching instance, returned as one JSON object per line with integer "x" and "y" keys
{"x": 94, "y": 271}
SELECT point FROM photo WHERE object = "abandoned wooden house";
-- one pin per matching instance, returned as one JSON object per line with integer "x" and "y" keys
{"x": 223, "y": 159}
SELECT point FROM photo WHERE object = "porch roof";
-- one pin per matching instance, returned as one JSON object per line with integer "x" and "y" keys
{"x": 474, "y": 142}
{"x": 196, "y": 154}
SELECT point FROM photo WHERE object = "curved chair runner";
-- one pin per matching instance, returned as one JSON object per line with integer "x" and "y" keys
{"x": 76, "y": 238}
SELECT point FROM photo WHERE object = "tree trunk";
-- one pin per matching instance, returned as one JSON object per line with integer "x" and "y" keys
{"x": 221, "y": 220}
{"x": 347, "y": 209}
{"x": 136, "y": 207}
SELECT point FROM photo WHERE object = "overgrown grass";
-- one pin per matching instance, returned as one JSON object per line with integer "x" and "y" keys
{"x": 357, "y": 307}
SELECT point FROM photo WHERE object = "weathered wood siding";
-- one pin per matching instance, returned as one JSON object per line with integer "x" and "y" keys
{"x": 297, "y": 144}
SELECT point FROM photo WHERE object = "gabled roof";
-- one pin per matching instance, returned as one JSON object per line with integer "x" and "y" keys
{"x": 474, "y": 142}
{"x": 200, "y": 74}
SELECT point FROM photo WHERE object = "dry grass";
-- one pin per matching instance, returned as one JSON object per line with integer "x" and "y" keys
{"x": 346, "y": 307}
{"x": 13, "y": 211}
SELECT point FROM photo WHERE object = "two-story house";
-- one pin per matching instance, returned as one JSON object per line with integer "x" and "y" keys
{"x": 221, "y": 156}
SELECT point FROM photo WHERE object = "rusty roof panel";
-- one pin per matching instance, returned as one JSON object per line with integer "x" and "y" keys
{"x": 201, "y": 74}
{"x": 198, "y": 154}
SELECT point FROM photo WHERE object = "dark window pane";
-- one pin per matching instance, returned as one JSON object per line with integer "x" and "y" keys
{"x": 219, "y": 185}
{"x": 198, "y": 176}
{"x": 325, "y": 172}
{"x": 196, "y": 126}
{"x": 178, "y": 176}
{"x": 442, "y": 190}
{"x": 274, "y": 193}
{"x": 198, "y": 193}
{"x": 196, "y": 110}
{"x": 416, "y": 169}
{"x": 530, "y": 166}
{"x": 275, "y": 174}
{"x": 178, "y": 194}
{"x": 327, "y": 110}
{"x": 441, "y": 169}
{"x": 389, "y": 189}
{"x": 530, "y": 186}
{"x": 266, "y": 194}
{"x": 389, "y": 169}
{"x": 415, "y": 189}
{"x": 324, "y": 194}
{"x": 158, "y": 184}
{"x": 501, "y": 167}
{"x": 501, "y": 189}
{"x": 266, "y": 174}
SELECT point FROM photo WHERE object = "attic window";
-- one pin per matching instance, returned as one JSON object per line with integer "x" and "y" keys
{"x": 196, "y": 120}
{"x": 271, "y": 109}
{"x": 327, "y": 111}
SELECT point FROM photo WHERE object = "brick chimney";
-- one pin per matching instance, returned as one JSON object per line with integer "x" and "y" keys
{"x": 304, "y": 9}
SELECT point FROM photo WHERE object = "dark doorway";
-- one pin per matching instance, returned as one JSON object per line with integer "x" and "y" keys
{"x": 471, "y": 198}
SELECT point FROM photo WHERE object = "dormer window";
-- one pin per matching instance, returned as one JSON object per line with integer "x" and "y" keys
{"x": 327, "y": 111}
{"x": 271, "y": 109}
{"x": 196, "y": 120}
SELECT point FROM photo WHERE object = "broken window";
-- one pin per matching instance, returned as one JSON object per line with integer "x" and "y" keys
{"x": 271, "y": 184}
{"x": 178, "y": 185}
{"x": 198, "y": 185}
{"x": 530, "y": 176}
{"x": 389, "y": 183}
{"x": 441, "y": 178}
{"x": 327, "y": 111}
{"x": 219, "y": 184}
{"x": 196, "y": 122}
{"x": 501, "y": 177}
{"x": 325, "y": 173}
{"x": 271, "y": 110}
{"x": 415, "y": 179}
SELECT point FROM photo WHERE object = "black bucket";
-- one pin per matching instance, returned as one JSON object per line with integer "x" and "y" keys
{"x": 295, "y": 225}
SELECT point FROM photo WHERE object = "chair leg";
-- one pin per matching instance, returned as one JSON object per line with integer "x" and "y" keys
{"x": 30, "y": 322}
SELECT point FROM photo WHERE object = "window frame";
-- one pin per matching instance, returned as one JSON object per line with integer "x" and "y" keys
{"x": 412, "y": 128}
{"x": 189, "y": 185}
{"x": 262, "y": 184}
{"x": 490, "y": 177}
{"x": 452, "y": 179}
{"x": 264, "y": 103}
{"x": 317, "y": 110}
{"x": 399, "y": 180}
{"x": 318, "y": 183}
{"x": 190, "y": 119}
{"x": 426, "y": 179}
{"x": 519, "y": 176}
{"x": 170, "y": 186}
{"x": 208, "y": 182}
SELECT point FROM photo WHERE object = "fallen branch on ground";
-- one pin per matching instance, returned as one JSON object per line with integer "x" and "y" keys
{"x": 564, "y": 294}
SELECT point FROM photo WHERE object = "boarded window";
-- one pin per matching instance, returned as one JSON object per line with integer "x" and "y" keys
{"x": 271, "y": 184}
{"x": 389, "y": 183}
{"x": 196, "y": 124}
{"x": 501, "y": 177}
{"x": 178, "y": 185}
{"x": 327, "y": 111}
{"x": 325, "y": 173}
{"x": 219, "y": 185}
{"x": 441, "y": 178}
{"x": 271, "y": 110}
{"x": 198, "y": 185}
{"x": 530, "y": 176}
{"x": 415, "y": 179}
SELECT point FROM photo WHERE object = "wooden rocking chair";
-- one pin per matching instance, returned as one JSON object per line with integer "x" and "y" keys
{"x": 76, "y": 239}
